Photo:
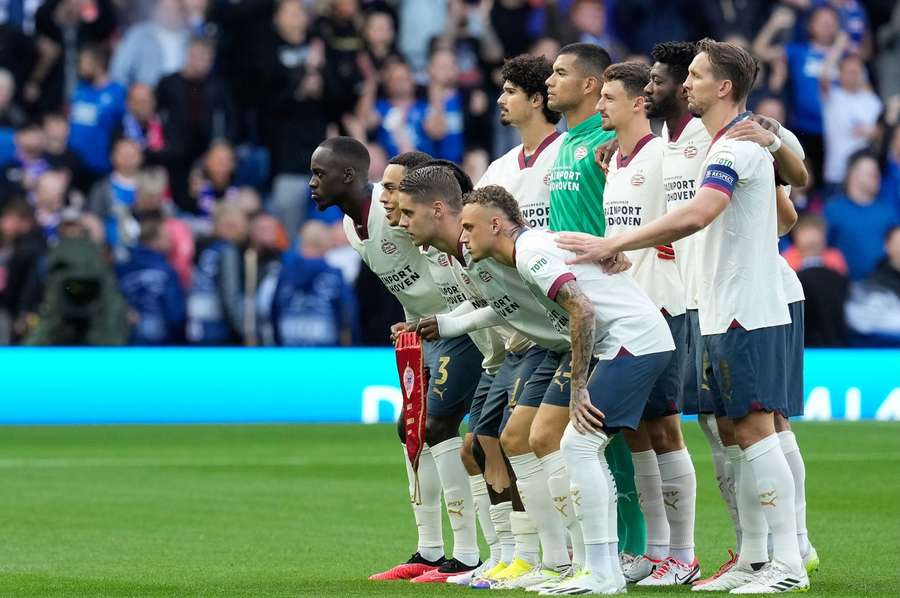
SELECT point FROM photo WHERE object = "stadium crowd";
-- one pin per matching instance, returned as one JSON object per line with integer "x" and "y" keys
{"x": 155, "y": 154}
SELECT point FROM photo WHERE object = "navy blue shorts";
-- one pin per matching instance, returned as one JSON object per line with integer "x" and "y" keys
{"x": 549, "y": 382}
{"x": 667, "y": 395}
{"x": 481, "y": 393}
{"x": 697, "y": 394}
{"x": 497, "y": 397}
{"x": 454, "y": 368}
{"x": 528, "y": 365}
{"x": 795, "y": 360}
{"x": 620, "y": 387}
{"x": 746, "y": 370}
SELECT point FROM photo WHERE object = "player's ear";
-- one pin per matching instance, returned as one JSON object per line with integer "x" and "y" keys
{"x": 725, "y": 88}
{"x": 496, "y": 225}
{"x": 638, "y": 104}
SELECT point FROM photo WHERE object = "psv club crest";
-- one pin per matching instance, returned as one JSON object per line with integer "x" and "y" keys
{"x": 690, "y": 151}
{"x": 443, "y": 260}
{"x": 388, "y": 248}
{"x": 638, "y": 179}
{"x": 485, "y": 276}
{"x": 409, "y": 380}
{"x": 547, "y": 178}
{"x": 580, "y": 152}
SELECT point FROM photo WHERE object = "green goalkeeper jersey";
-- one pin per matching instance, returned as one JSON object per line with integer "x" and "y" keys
{"x": 576, "y": 182}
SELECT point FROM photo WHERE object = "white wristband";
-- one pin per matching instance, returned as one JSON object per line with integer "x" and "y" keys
{"x": 775, "y": 146}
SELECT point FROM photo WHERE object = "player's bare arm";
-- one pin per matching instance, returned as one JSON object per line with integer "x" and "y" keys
{"x": 787, "y": 212}
{"x": 764, "y": 132}
{"x": 708, "y": 203}
{"x": 584, "y": 416}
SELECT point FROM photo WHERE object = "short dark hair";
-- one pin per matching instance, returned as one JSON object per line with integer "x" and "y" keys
{"x": 495, "y": 196}
{"x": 859, "y": 155}
{"x": 530, "y": 73}
{"x": 98, "y": 52}
{"x": 429, "y": 182}
{"x": 633, "y": 76}
{"x": 732, "y": 62}
{"x": 349, "y": 151}
{"x": 677, "y": 56}
{"x": 410, "y": 160}
{"x": 591, "y": 59}
{"x": 462, "y": 179}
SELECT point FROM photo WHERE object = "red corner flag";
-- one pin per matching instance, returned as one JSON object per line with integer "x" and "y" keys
{"x": 413, "y": 383}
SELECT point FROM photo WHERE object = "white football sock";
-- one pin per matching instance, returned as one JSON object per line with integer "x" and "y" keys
{"x": 458, "y": 499}
{"x": 500, "y": 517}
{"x": 428, "y": 513}
{"x": 561, "y": 493}
{"x": 798, "y": 470}
{"x": 725, "y": 473}
{"x": 650, "y": 496}
{"x": 528, "y": 542}
{"x": 752, "y": 549}
{"x": 535, "y": 492}
{"x": 775, "y": 495}
{"x": 679, "y": 488}
{"x": 483, "y": 513}
{"x": 612, "y": 520}
{"x": 591, "y": 484}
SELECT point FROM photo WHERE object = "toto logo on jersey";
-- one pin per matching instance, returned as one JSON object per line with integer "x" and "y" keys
{"x": 485, "y": 276}
{"x": 580, "y": 152}
{"x": 638, "y": 179}
{"x": 690, "y": 151}
{"x": 388, "y": 248}
{"x": 443, "y": 260}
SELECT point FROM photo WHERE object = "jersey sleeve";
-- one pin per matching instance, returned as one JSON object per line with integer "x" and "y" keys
{"x": 727, "y": 163}
{"x": 545, "y": 267}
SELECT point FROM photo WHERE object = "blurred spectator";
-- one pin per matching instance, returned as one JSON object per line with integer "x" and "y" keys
{"x": 891, "y": 183}
{"x": 19, "y": 14}
{"x": 152, "y": 49}
{"x": 641, "y": 24}
{"x": 398, "y": 117}
{"x": 97, "y": 108}
{"x": 805, "y": 61}
{"x": 294, "y": 116}
{"x": 63, "y": 27}
{"x": 262, "y": 266}
{"x": 469, "y": 35}
{"x": 379, "y": 35}
{"x": 475, "y": 163}
{"x": 888, "y": 60}
{"x": 510, "y": 19}
{"x": 195, "y": 105}
{"x": 58, "y": 153}
{"x": 151, "y": 288}
{"x": 378, "y": 161}
{"x": 419, "y": 23}
{"x": 113, "y": 196}
{"x": 11, "y": 116}
{"x": 444, "y": 120}
{"x": 850, "y": 110}
{"x": 18, "y": 54}
{"x": 858, "y": 221}
{"x": 823, "y": 273}
{"x": 50, "y": 198}
{"x": 197, "y": 12}
{"x": 21, "y": 173}
{"x": 23, "y": 249}
{"x": 215, "y": 302}
{"x": 722, "y": 19}
{"x": 212, "y": 181}
{"x": 548, "y": 47}
{"x": 340, "y": 30}
{"x": 873, "y": 310}
{"x": 82, "y": 304}
{"x": 771, "y": 107}
{"x": 151, "y": 201}
{"x": 313, "y": 306}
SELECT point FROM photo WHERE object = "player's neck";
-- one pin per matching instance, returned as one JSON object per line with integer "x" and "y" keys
{"x": 580, "y": 113}
{"x": 673, "y": 123}
{"x": 630, "y": 133}
{"x": 447, "y": 238}
{"x": 353, "y": 205}
{"x": 505, "y": 250}
{"x": 719, "y": 115}
{"x": 533, "y": 134}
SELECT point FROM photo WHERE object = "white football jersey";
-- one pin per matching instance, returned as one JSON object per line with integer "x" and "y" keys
{"x": 634, "y": 197}
{"x": 685, "y": 150}
{"x": 739, "y": 280}
{"x": 390, "y": 253}
{"x": 625, "y": 317}
{"x": 793, "y": 290}
{"x": 527, "y": 180}
{"x": 455, "y": 287}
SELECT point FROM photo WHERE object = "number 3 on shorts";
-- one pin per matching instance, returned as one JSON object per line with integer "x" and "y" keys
{"x": 442, "y": 370}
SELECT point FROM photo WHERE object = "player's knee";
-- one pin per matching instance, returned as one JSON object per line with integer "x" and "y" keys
{"x": 782, "y": 424}
{"x": 514, "y": 442}
{"x": 438, "y": 430}
{"x": 665, "y": 435}
{"x": 478, "y": 453}
{"x": 543, "y": 443}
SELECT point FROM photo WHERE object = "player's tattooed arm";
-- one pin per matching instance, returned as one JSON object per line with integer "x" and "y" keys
{"x": 584, "y": 416}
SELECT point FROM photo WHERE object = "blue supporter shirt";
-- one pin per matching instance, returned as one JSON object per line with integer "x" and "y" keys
{"x": 396, "y": 123}
{"x": 805, "y": 64}
{"x": 94, "y": 115}
{"x": 858, "y": 231}
{"x": 451, "y": 146}
{"x": 151, "y": 288}
{"x": 312, "y": 304}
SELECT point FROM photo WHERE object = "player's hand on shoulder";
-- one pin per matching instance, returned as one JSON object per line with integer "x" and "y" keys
{"x": 585, "y": 417}
{"x": 604, "y": 153}
{"x": 587, "y": 248}
{"x": 769, "y": 124}
{"x": 616, "y": 264}
{"x": 428, "y": 329}
{"x": 750, "y": 130}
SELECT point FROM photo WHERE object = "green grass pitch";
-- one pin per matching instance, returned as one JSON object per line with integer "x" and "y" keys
{"x": 312, "y": 510}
